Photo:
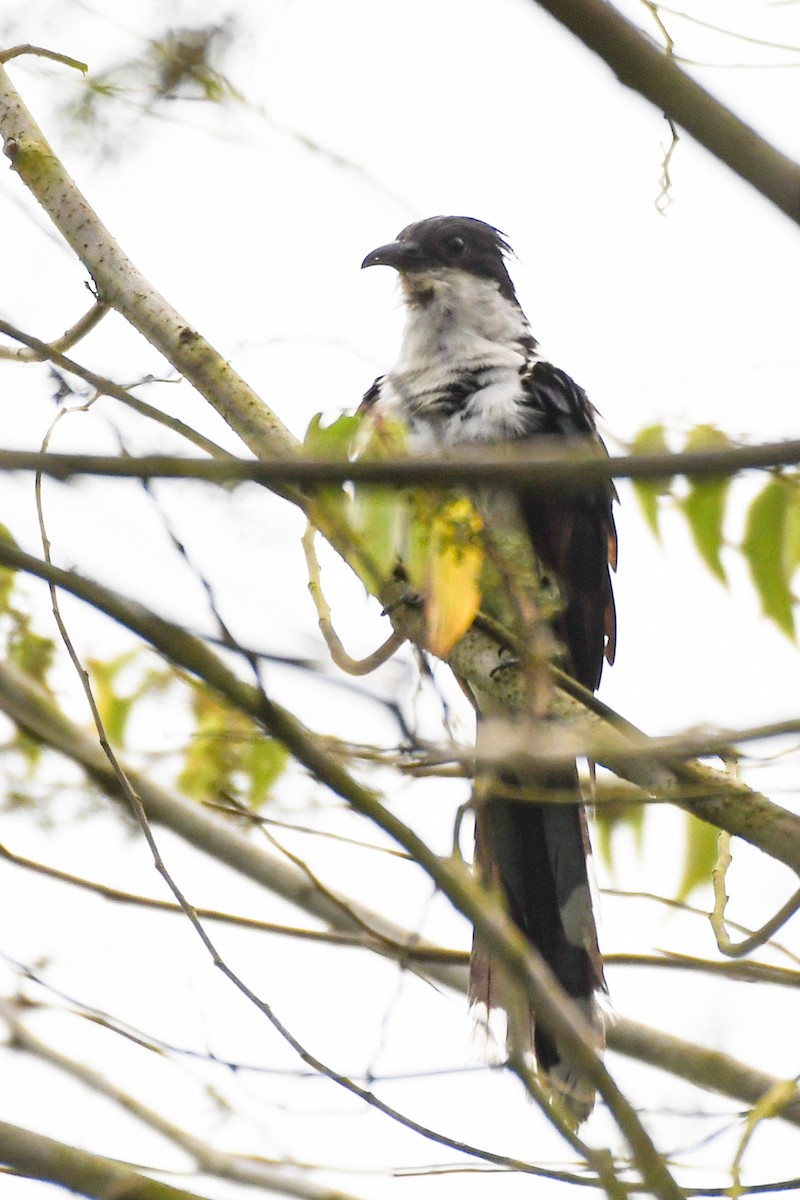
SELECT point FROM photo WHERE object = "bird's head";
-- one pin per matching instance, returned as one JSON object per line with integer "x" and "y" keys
{"x": 434, "y": 250}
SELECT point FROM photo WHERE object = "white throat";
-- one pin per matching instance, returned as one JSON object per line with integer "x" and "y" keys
{"x": 464, "y": 351}
{"x": 459, "y": 321}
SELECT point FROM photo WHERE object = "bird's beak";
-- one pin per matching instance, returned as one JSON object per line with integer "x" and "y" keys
{"x": 403, "y": 256}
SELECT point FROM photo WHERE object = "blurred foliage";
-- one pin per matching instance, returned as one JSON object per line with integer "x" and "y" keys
{"x": 651, "y": 440}
{"x": 183, "y": 63}
{"x": 22, "y": 646}
{"x": 704, "y": 504}
{"x": 771, "y": 549}
{"x": 770, "y": 545}
{"x": 771, "y": 540}
{"x": 700, "y": 852}
{"x": 617, "y": 814}
{"x": 229, "y": 758}
{"x": 380, "y": 514}
{"x": 700, "y": 857}
{"x": 335, "y": 442}
{"x": 115, "y": 706}
{"x": 434, "y": 533}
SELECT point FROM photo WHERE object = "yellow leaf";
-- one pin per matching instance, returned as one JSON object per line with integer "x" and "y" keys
{"x": 455, "y": 560}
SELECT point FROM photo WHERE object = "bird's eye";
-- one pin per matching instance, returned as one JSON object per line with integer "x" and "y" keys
{"x": 454, "y": 246}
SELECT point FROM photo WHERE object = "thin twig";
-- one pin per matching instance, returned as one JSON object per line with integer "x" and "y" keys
{"x": 748, "y": 972}
{"x": 353, "y": 666}
{"x": 240, "y": 1168}
{"x": 40, "y": 52}
{"x": 717, "y": 917}
{"x": 107, "y": 387}
{"x": 68, "y": 339}
{"x": 641, "y": 64}
{"x": 422, "y": 954}
{"x": 550, "y": 465}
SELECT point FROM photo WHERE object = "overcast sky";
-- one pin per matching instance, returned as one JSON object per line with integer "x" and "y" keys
{"x": 682, "y": 313}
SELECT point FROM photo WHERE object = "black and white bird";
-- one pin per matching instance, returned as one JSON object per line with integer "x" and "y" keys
{"x": 469, "y": 371}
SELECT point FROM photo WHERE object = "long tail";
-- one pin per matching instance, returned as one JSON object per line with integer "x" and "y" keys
{"x": 537, "y": 854}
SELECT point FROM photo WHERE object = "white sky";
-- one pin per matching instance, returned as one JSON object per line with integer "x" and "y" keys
{"x": 488, "y": 109}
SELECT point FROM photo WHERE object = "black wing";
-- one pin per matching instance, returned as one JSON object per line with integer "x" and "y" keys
{"x": 574, "y": 533}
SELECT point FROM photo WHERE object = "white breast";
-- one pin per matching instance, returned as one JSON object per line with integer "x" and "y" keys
{"x": 463, "y": 332}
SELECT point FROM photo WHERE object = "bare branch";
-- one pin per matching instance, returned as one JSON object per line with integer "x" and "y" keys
{"x": 642, "y": 65}
{"x": 240, "y": 1168}
{"x": 708, "y": 1069}
{"x": 79, "y": 330}
{"x": 547, "y": 464}
{"x": 122, "y": 286}
{"x": 718, "y": 799}
{"x": 745, "y": 972}
{"x": 106, "y": 387}
{"x": 91, "y": 1175}
{"x": 40, "y": 52}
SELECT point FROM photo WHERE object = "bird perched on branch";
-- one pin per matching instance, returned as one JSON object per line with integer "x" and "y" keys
{"x": 469, "y": 371}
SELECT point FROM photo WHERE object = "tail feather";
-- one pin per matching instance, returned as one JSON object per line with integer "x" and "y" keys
{"x": 537, "y": 855}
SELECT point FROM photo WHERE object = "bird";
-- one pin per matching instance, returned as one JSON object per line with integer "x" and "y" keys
{"x": 469, "y": 372}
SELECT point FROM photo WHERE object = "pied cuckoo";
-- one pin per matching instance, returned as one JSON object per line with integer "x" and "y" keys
{"x": 469, "y": 371}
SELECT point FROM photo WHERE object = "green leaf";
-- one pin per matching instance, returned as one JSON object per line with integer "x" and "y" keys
{"x": 791, "y": 534}
{"x": 211, "y": 757}
{"x": 267, "y": 761}
{"x": 704, "y": 506}
{"x": 701, "y": 855}
{"x": 7, "y": 575}
{"x": 379, "y": 514}
{"x": 228, "y": 756}
{"x": 331, "y": 441}
{"x": 764, "y": 547}
{"x": 28, "y": 650}
{"x": 115, "y": 707}
{"x": 651, "y": 440}
{"x": 613, "y": 814}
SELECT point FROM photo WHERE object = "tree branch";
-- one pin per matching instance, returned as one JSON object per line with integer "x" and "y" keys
{"x": 547, "y": 464}
{"x": 708, "y": 1069}
{"x": 640, "y": 64}
{"x": 43, "y": 352}
{"x": 718, "y": 799}
{"x": 68, "y": 339}
{"x": 123, "y": 287}
{"x": 91, "y": 1175}
{"x": 240, "y": 1168}
{"x": 34, "y": 711}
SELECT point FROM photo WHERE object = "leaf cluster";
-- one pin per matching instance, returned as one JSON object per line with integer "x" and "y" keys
{"x": 770, "y": 543}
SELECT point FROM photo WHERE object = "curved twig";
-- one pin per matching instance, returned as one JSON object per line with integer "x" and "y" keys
{"x": 41, "y": 52}
{"x": 717, "y": 917}
{"x": 82, "y": 326}
{"x": 352, "y": 666}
